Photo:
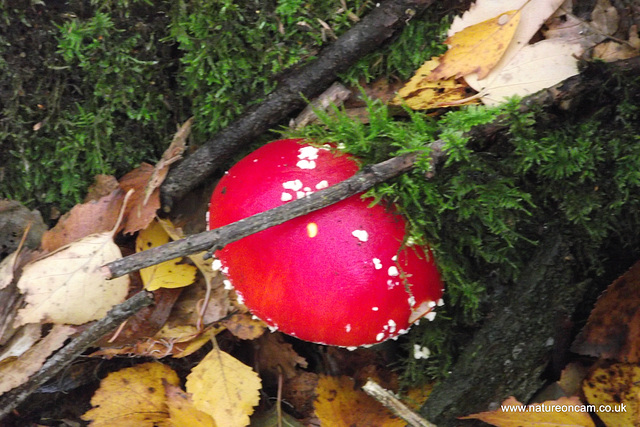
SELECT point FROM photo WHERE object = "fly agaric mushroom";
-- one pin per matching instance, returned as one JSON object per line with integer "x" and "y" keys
{"x": 340, "y": 275}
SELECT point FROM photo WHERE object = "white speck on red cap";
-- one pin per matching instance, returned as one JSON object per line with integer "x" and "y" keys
{"x": 393, "y": 271}
{"x": 294, "y": 185}
{"x": 361, "y": 235}
{"x": 285, "y": 197}
{"x": 322, "y": 184}
{"x": 377, "y": 263}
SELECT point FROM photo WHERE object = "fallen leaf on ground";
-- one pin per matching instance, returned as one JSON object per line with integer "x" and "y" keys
{"x": 133, "y": 397}
{"x": 146, "y": 322}
{"x": 421, "y": 93}
{"x": 522, "y": 75}
{"x": 536, "y": 415}
{"x": 139, "y": 213}
{"x": 340, "y": 404}
{"x": 571, "y": 378}
{"x": 182, "y": 413}
{"x": 95, "y": 216}
{"x": 614, "y": 386}
{"x": 613, "y": 328}
{"x": 300, "y": 392}
{"x": 477, "y": 48}
{"x": 103, "y": 185}
{"x": 610, "y": 51}
{"x": 170, "y": 156}
{"x": 276, "y": 355}
{"x": 224, "y": 388}
{"x": 244, "y": 326}
{"x": 67, "y": 286}
{"x": 534, "y": 14}
{"x": 168, "y": 274}
{"x": 17, "y": 370}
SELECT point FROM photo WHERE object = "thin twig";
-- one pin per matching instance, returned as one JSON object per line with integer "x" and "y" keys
{"x": 56, "y": 363}
{"x": 220, "y": 237}
{"x": 391, "y": 402}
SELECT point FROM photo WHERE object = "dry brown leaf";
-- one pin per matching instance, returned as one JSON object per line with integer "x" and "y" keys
{"x": 604, "y": 18}
{"x": 67, "y": 286}
{"x": 536, "y": 415}
{"x": 244, "y": 326}
{"x": 477, "y": 48}
{"x": 340, "y": 404}
{"x": 170, "y": 156}
{"x": 613, "y": 328}
{"x": 146, "y": 322}
{"x": 139, "y": 214}
{"x": 300, "y": 392}
{"x": 133, "y": 397}
{"x": 16, "y": 371}
{"x": 571, "y": 378}
{"x": 614, "y": 51}
{"x": 103, "y": 185}
{"x": 224, "y": 388}
{"x": 182, "y": 412}
{"x": 96, "y": 216}
{"x": 276, "y": 354}
{"x": 617, "y": 387}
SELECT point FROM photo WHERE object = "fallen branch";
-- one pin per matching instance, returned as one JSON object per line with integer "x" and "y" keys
{"x": 364, "y": 37}
{"x": 118, "y": 314}
{"x": 220, "y": 237}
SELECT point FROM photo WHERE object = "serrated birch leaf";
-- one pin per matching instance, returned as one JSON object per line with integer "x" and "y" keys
{"x": 133, "y": 397}
{"x": 224, "y": 388}
{"x": 67, "y": 285}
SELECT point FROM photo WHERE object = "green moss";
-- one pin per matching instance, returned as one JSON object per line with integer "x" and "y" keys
{"x": 489, "y": 204}
{"x": 233, "y": 53}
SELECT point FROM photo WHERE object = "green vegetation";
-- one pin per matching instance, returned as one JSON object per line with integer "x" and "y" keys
{"x": 487, "y": 207}
{"x": 99, "y": 89}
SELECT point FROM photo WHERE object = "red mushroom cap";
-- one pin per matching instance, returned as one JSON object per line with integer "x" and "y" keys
{"x": 339, "y": 275}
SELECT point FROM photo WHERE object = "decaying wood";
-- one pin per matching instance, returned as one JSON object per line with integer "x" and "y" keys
{"x": 56, "y": 363}
{"x": 364, "y": 37}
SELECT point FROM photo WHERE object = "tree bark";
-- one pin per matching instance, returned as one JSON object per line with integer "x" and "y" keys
{"x": 508, "y": 354}
{"x": 364, "y": 37}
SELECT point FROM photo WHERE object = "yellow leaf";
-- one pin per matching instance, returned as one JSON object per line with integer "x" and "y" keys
{"x": 538, "y": 414}
{"x": 133, "y": 397}
{"x": 422, "y": 94}
{"x": 478, "y": 48}
{"x": 67, "y": 286}
{"x": 17, "y": 370}
{"x": 182, "y": 412}
{"x": 612, "y": 387}
{"x": 169, "y": 274}
{"x": 339, "y": 404}
{"x": 204, "y": 265}
{"x": 224, "y": 388}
